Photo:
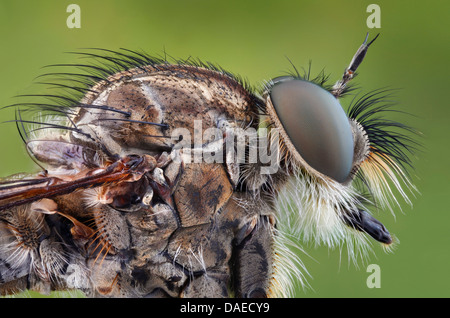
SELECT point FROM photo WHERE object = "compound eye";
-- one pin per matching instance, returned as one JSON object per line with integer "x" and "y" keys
{"x": 316, "y": 125}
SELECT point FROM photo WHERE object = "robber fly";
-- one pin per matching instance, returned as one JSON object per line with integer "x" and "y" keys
{"x": 178, "y": 179}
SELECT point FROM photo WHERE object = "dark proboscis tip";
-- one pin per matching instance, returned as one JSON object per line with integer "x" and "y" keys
{"x": 364, "y": 222}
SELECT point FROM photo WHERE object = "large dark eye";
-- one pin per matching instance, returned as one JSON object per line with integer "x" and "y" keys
{"x": 316, "y": 125}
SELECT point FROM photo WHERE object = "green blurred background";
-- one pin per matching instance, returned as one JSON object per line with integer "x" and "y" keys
{"x": 253, "y": 39}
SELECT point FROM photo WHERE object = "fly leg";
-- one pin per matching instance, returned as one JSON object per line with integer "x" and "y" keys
{"x": 253, "y": 264}
{"x": 34, "y": 253}
{"x": 208, "y": 285}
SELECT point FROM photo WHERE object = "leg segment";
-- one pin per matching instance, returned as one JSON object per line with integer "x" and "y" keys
{"x": 254, "y": 264}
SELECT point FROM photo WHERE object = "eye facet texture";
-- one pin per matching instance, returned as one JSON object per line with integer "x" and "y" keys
{"x": 317, "y": 126}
